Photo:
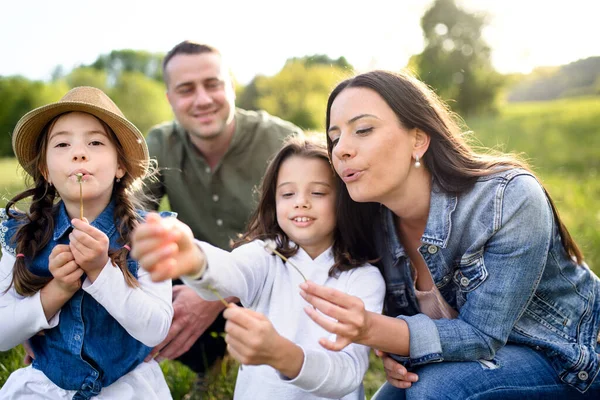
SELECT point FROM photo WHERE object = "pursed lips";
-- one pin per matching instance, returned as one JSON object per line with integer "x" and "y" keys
{"x": 82, "y": 171}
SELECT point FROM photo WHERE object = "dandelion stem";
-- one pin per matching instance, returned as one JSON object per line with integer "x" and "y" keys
{"x": 80, "y": 180}
{"x": 212, "y": 289}
{"x": 287, "y": 261}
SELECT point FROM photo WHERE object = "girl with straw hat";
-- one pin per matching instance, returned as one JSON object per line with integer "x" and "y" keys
{"x": 67, "y": 283}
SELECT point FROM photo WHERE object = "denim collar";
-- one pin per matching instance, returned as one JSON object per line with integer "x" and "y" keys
{"x": 104, "y": 222}
{"x": 439, "y": 221}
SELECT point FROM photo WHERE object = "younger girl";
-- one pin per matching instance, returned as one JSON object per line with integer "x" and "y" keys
{"x": 67, "y": 283}
{"x": 273, "y": 336}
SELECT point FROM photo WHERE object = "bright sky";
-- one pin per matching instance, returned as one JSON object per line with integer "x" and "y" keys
{"x": 259, "y": 35}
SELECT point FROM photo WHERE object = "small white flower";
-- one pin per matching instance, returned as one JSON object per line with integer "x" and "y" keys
{"x": 270, "y": 246}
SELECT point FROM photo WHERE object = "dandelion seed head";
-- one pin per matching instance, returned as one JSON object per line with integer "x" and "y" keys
{"x": 270, "y": 246}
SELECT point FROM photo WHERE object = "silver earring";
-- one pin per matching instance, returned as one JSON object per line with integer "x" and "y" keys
{"x": 118, "y": 180}
{"x": 417, "y": 162}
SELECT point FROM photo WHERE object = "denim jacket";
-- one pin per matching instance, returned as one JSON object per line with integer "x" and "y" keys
{"x": 88, "y": 349}
{"x": 495, "y": 253}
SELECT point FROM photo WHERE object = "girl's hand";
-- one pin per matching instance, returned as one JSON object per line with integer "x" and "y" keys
{"x": 252, "y": 340}
{"x": 396, "y": 374}
{"x": 165, "y": 247}
{"x": 89, "y": 246}
{"x": 351, "y": 321}
{"x": 64, "y": 269}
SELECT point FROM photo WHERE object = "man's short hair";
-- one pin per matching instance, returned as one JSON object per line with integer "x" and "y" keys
{"x": 186, "y": 47}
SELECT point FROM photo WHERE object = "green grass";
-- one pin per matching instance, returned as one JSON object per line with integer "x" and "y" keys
{"x": 560, "y": 139}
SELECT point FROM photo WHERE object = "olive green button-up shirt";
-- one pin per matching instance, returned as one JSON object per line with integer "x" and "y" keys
{"x": 215, "y": 204}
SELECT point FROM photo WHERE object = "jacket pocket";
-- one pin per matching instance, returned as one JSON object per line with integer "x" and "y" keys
{"x": 471, "y": 273}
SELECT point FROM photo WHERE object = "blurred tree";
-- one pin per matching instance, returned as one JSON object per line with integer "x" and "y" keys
{"x": 579, "y": 78}
{"x": 456, "y": 60}
{"x": 297, "y": 93}
{"x": 322, "y": 59}
{"x": 120, "y": 61}
{"x": 87, "y": 76}
{"x": 142, "y": 100}
{"x": 19, "y": 96}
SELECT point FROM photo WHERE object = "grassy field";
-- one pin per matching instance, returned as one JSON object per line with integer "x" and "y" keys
{"x": 560, "y": 139}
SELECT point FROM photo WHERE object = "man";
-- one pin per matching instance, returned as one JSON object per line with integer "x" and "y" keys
{"x": 210, "y": 159}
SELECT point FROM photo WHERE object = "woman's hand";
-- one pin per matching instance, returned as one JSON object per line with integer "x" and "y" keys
{"x": 351, "y": 321}
{"x": 396, "y": 374}
{"x": 252, "y": 340}
{"x": 165, "y": 247}
{"x": 89, "y": 246}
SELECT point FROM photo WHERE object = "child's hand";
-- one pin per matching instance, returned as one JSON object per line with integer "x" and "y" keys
{"x": 250, "y": 336}
{"x": 252, "y": 340}
{"x": 89, "y": 246}
{"x": 64, "y": 269}
{"x": 396, "y": 373}
{"x": 165, "y": 247}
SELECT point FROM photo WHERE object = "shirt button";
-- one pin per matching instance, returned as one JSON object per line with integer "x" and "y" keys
{"x": 582, "y": 375}
{"x": 215, "y": 197}
{"x": 464, "y": 281}
{"x": 220, "y": 222}
{"x": 77, "y": 337}
{"x": 431, "y": 249}
{"x": 207, "y": 169}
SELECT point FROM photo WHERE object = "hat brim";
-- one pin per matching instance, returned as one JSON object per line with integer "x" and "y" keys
{"x": 30, "y": 126}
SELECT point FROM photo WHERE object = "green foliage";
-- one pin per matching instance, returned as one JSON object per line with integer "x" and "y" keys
{"x": 10, "y": 361}
{"x": 298, "y": 93}
{"x": 121, "y": 61}
{"x": 559, "y": 139}
{"x": 19, "y": 96}
{"x": 322, "y": 59}
{"x": 142, "y": 100}
{"x": 578, "y": 78}
{"x": 86, "y": 76}
{"x": 456, "y": 60}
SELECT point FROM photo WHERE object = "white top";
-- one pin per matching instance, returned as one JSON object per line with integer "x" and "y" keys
{"x": 145, "y": 312}
{"x": 265, "y": 284}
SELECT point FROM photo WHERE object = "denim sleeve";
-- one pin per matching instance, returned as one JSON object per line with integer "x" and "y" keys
{"x": 511, "y": 258}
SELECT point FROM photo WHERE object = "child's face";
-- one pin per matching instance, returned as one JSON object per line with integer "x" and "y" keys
{"x": 305, "y": 202}
{"x": 79, "y": 143}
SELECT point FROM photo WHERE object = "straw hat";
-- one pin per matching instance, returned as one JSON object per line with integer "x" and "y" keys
{"x": 84, "y": 99}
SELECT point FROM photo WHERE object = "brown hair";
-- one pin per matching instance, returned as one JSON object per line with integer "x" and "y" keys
{"x": 263, "y": 221}
{"x": 186, "y": 47}
{"x": 38, "y": 224}
{"x": 451, "y": 160}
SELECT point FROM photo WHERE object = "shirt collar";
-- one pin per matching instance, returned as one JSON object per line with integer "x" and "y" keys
{"x": 104, "y": 222}
{"x": 439, "y": 222}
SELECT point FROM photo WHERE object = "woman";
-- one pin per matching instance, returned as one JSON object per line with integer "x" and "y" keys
{"x": 490, "y": 293}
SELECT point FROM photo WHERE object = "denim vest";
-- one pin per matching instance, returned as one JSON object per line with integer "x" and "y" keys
{"x": 88, "y": 349}
{"x": 495, "y": 254}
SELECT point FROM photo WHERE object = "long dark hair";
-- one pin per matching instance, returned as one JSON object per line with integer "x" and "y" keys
{"x": 37, "y": 225}
{"x": 263, "y": 221}
{"x": 451, "y": 160}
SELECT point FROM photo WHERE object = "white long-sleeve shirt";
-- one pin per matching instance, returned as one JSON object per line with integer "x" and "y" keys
{"x": 265, "y": 284}
{"x": 145, "y": 312}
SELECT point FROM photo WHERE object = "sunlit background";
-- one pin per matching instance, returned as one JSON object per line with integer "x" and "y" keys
{"x": 259, "y": 35}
